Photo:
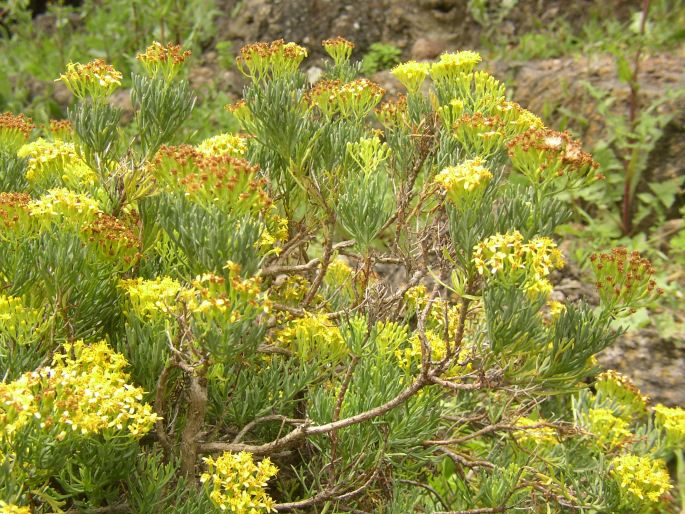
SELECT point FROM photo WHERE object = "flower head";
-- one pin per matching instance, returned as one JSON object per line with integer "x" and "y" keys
{"x": 643, "y": 480}
{"x": 672, "y": 421}
{"x": 57, "y": 162}
{"x": 451, "y": 65}
{"x": 465, "y": 182}
{"x": 624, "y": 279}
{"x": 236, "y": 484}
{"x": 163, "y": 61}
{"x": 411, "y": 75}
{"x": 259, "y": 61}
{"x": 14, "y": 130}
{"x": 95, "y": 79}
{"x": 339, "y": 48}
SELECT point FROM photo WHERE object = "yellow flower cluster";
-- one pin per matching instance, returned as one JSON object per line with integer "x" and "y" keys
{"x": 451, "y": 65}
{"x": 531, "y": 433}
{"x": 483, "y": 134}
{"x": 621, "y": 392}
{"x": 313, "y": 336}
{"x": 339, "y": 48}
{"x": 261, "y": 60}
{"x": 62, "y": 205}
{"x": 9, "y": 508}
{"x": 50, "y": 162}
{"x": 354, "y": 99}
{"x": 14, "y": 130}
{"x": 672, "y": 421}
{"x": 643, "y": 480}
{"x": 610, "y": 429}
{"x": 95, "y": 79}
{"x": 18, "y": 322}
{"x": 410, "y": 356}
{"x": 465, "y": 182}
{"x": 232, "y": 145}
{"x": 411, "y": 75}
{"x": 163, "y": 61}
{"x": 236, "y": 484}
{"x": 516, "y": 119}
{"x": 339, "y": 274}
{"x": 442, "y": 317}
{"x": 507, "y": 258}
{"x": 85, "y": 391}
{"x": 227, "y": 182}
{"x": 152, "y": 299}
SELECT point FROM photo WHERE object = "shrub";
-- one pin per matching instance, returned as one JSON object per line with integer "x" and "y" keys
{"x": 346, "y": 306}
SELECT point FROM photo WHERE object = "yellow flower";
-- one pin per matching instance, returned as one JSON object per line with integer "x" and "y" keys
{"x": 19, "y": 322}
{"x": 538, "y": 435}
{"x": 259, "y": 61}
{"x": 610, "y": 429}
{"x": 451, "y": 65}
{"x": 672, "y": 421}
{"x": 339, "y": 48}
{"x": 465, "y": 182}
{"x": 163, "y": 61}
{"x": 237, "y": 485}
{"x": 64, "y": 206}
{"x": 313, "y": 336}
{"x": 411, "y": 75}
{"x": 152, "y": 299}
{"x": 95, "y": 79}
{"x": 54, "y": 162}
{"x": 507, "y": 258}
{"x": 643, "y": 480}
{"x": 232, "y": 145}
{"x": 8, "y": 508}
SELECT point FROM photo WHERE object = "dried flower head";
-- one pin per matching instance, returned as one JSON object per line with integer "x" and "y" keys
{"x": 339, "y": 48}
{"x": 95, "y": 79}
{"x": 483, "y": 134}
{"x": 542, "y": 154}
{"x": 393, "y": 113}
{"x": 223, "y": 181}
{"x": 61, "y": 129}
{"x": 259, "y": 61}
{"x": 15, "y": 217}
{"x": 163, "y": 61}
{"x": 14, "y": 130}
{"x": 112, "y": 239}
{"x": 624, "y": 280}
{"x": 354, "y": 99}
